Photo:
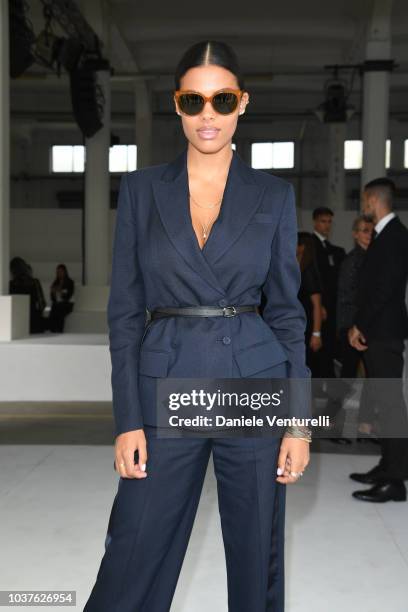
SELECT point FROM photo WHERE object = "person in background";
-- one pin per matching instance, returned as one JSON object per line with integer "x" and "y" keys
{"x": 347, "y": 293}
{"x": 22, "y": 282}
{"x": 379, "y": 329}
{"x": 351, "y": 358}
{"x": 310, "y": 294}
{"x": 328, "y": 260}
{"x": 61, "y": 292}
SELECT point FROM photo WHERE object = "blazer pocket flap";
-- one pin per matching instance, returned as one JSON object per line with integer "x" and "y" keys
{"x": 153, "y": 363}
{"x": 262, "y": 218}
{"x": 260, "y": 356}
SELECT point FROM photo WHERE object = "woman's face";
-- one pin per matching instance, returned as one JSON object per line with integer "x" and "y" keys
{"x": 363, "y": 234}
{"x": 207, "y": 80}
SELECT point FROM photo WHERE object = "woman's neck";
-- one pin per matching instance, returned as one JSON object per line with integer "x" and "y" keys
{"x": 212, "y": 166}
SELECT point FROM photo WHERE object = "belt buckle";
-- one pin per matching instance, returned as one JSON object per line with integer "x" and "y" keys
{"x": 229, "y": 307}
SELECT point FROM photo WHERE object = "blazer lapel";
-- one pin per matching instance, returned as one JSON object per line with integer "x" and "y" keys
{"x": 241, "y": 198}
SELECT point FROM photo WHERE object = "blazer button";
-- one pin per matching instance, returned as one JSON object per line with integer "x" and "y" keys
{"x": 223, "y": 303}
{"x": 226, "y": 340}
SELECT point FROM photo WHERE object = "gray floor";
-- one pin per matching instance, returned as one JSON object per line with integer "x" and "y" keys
{"x": 341, "y": 554}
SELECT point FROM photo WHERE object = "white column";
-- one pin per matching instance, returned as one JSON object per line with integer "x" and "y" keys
{"x": 97, "y": 194}
{"x": 4, "y": 149}
{"x": 143, "y": 124}
{"x": 14, "y": 309}
{"x": 375, "y": 124}
{"x": 336, "y": 196}
{"x": 377, "y": 69}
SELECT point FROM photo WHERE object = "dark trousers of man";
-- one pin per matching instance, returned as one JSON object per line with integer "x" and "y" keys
{"x": 321, "y": 364}
{"x": 152, "y": 518}
{"x": 350, "y": 359}
{"x": 384, "y": 360}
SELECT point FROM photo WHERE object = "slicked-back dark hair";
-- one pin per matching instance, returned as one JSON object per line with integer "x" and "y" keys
{"x": 384, "y": 188}
{"x": 322, "y": 210}
{"x": 209, "y": 52}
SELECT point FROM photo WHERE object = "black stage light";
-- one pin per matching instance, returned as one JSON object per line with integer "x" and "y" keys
{"x": 46, "y": 48}
{"x": 87, "y": 99}
{"x": 335, "y": 105}
{"x": 68, "y": 53}
{"x": 21, "y": 39}
{"x": 335, "y": 108}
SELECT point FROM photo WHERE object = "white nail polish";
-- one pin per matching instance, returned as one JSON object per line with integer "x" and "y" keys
{"x": 279, "y": 471}
{"x": 143, "y": 467}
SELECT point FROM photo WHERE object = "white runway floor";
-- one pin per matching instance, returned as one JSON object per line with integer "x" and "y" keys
{"x": 342, "y": 555}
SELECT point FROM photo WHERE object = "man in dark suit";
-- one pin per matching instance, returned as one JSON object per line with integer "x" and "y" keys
{"x": 328, "y": 260}
{"x": 380, "y": 327}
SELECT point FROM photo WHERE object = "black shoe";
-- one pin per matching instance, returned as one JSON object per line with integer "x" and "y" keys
{"x": 342, "y": 441}
{"x": 371, "y": 477}
{"x": 383, "y": 491}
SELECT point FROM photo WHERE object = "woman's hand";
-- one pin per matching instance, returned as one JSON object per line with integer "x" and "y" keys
{"x": 125, "y": 446}
{"x": 294, "y": 456}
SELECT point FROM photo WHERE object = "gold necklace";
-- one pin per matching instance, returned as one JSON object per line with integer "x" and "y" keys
{"x": 205, "y": 229}
{"x": 207, "y": 207}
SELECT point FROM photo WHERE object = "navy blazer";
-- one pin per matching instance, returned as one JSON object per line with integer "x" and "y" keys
{"x": 157, "y": 262}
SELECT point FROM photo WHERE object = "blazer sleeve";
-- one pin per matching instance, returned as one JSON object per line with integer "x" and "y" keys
{"x": 344, "y": 292}
{"x": 386, "y": 274}
{"x": 283, "y": 311}
{"x": 126, "y": 313}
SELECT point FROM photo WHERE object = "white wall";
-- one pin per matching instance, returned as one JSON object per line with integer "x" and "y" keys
{"x": 46, "y": 238}
{"x": 33, "y": 186}
{"x": 46, "y": 235}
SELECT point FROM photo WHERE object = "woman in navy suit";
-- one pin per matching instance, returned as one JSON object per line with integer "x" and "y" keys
{"x": 197, "y": 242}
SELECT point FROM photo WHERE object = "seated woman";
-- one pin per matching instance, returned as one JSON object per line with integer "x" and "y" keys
{"x": 61, "y": 292}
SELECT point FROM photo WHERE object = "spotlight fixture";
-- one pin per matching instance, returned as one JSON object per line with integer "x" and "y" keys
{"x": 87, "y": 96}
{"x": 46, "y": 47}
{"x": 335, "y": 108}
{"x": 79, "y": 54}
{"x": 68, "y": 53}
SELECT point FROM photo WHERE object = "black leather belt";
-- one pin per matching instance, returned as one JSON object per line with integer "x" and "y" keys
{"x": 202, "y": 311}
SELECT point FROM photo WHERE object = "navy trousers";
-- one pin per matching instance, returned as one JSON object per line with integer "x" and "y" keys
{"x": 151, "y": 521}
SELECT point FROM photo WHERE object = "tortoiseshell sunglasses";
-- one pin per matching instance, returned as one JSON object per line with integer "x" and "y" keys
{"x": 224, "y": 101}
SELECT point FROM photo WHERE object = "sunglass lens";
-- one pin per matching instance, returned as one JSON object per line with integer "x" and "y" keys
{"x": 191, "y": 104}
{"x": 225, "y": 102}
